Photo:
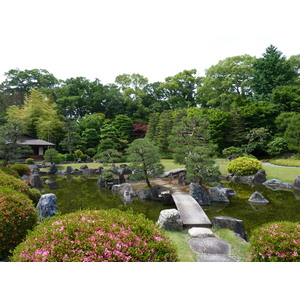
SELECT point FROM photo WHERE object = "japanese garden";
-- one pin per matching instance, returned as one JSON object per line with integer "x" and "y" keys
{"x": 89, "y": 171}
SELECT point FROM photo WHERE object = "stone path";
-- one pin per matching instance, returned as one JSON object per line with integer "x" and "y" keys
{"x": 202, "y": 240}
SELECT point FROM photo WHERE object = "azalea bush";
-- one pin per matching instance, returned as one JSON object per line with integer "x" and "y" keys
{"x": 244, "y": 166}
{"x": 91, "y": 236}
{"x": 17, "y": 216}
{"x": 22, "y": 169}
{"x": 9, "y": 171}
{"x": 278, "y": 242}
{"x": 20, "y": 186}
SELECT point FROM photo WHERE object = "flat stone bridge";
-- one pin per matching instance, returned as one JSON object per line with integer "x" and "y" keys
{"x": 191, "y": 213}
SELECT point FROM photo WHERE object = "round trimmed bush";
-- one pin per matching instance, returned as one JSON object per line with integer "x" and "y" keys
{"x": 29, "y": 161}
{"x": 22, "y": 169}
{"x": 20, "y": 186}
{"x": 17, "y": 216}
{"x": 103, "y": 235}
{"x": 278, "y": 241}
{"x": 244, "y": 166}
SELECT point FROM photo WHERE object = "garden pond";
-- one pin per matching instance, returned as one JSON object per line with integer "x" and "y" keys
{"x": 83, "y": 192}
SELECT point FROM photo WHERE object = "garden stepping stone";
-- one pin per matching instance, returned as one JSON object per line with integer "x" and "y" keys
{"x": 215, "y": 258}
{"x": 200, "y": 232}
{"x": 209, "y": 245}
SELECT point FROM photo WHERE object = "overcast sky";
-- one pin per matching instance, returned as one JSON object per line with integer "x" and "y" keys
{"x": 157, "y": 38}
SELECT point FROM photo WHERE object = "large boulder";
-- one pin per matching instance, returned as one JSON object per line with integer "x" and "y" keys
{"x": 276, "y": 185}
{"x": 256, "y": 197}
{"x": 47, "y": 206}
{"x": 69, "y": 170}
{"x": 125, "y": 190}
{"x": 235, "y": 225}
{"x": 169, "y": 219}
{"x": 260, "y": 177}
{"x": 36, "y": 181}
{"x": 217, "y": 195}
{"x": 198, "y": 193}
{"x": 144, "y": 194}
{"x": 53, "y": 169}
{"x": 296, "y": 183}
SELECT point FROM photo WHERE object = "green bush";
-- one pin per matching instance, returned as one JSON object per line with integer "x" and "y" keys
{"x": 9, "y": 171}
{"x": 22, "y": 169}
{"x": 51, "y": 155}
{"x": 232, "y": 151}
{"x": 29, "y": 161}
{"x": 279, "y": 242}
{"x": 277, "y": 146}
{"x": 17, "y": 217}
{"x": 104, "y": 235}
{"x": 244, "y": 166}
{"x": 20, "y": 186}
{"x": 69, "y": 157}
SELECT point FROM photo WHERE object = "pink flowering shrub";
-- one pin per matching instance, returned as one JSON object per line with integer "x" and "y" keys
{"x": 17, "y": 216}
{"x": 20, "y": 186}
{"x": 94, "y": 236}
{"x": 278, "y": 241}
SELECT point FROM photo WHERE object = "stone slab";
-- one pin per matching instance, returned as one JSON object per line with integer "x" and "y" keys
{"x": 215, "y": 258}
{"x": 209, "y": 245}
{"x": 191, "y": 213}
{"x": 200, "y": 232}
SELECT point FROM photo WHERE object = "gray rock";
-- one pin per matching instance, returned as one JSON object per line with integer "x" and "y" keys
{"x": 182, "y": 178}
{"x": 217, "y": 195}
{"x": 47, "y": 206}
{"x": 200, "y": 232}
{"x": 296, "y": 183}
{"x": 144, "y": 194}
{"x": 276, "y": 185}
{"x": 125, "y": 190}
{"x": 229, "y": 193}
{"x": 209, "y": 245}
{"x": 166, "y": 198}
{"x": 88, "y": 171}
{"x": 53, "y": 169}
{"x": 84, "y": 167}
{"x": 235, "y": 225}
{"x": 198, "y": 193}
{"x": 36, "y": 181}
{"x": 169, "y": 219}
{"x": 69, "y": 170}
{"x": 256, "y": 197}
{"x": 260, "y": 177}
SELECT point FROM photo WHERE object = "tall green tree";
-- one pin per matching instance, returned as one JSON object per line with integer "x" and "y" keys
{"x": 179, "y": 90}
{"x": 192, "y": 147}
{"x": 227, "y": 84}
{"x": 270, "y": 71}
{"x": 144, "y": 160}
{"x": 10, "y": 146}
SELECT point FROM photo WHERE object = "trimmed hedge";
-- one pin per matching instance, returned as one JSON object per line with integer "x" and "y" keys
{"x": 20, "y": 186}
{"x": 17, "y": 216}
{"x": 276, "y": 241}
{"x": 22, "y": 169}
{"x": 90, "y": 236}
{"x": 244, "y": 166}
